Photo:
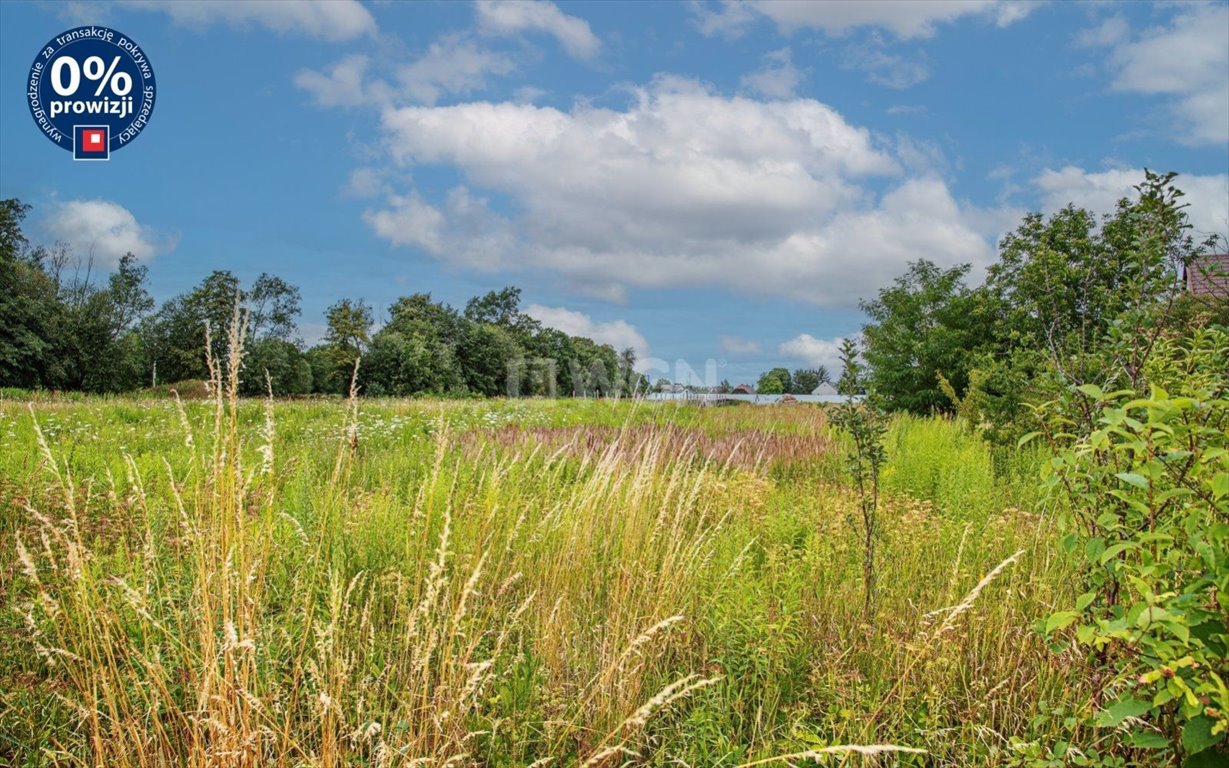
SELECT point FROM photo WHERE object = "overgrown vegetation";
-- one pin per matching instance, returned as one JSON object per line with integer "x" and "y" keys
{"x": 1143, "y": 486}
{"x": 400, "y": 584}
{"x": 230, "y": 581}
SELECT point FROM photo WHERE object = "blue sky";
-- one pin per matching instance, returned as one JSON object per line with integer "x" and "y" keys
{"x": 697, "y": 180}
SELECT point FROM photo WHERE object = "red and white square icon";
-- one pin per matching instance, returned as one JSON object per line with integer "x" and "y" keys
{"x": 91, "y": 142}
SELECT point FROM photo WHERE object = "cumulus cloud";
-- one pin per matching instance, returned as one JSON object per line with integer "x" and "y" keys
{"x": 341, "y": 86}
{"x": 738, "y": 347}
{"x": 903, "y": 18}
{"x": 777, "y": 79}
{"x": 1187, "y": 61}
{"x": 1207, "y": 196}
{"x": 1110, "y": 31}
{"x": 455, "y": 64}
{"x": 452, "y": 65}
{"x": 333, "y": 20}
{"x": 512, "y": 17}
{"x": 619, "y": 334}
{"x": 464, "y": 230}
{"x": 104, "y": 231}
{"x": 683, "y": 187}
{"x": 814, "y": 352}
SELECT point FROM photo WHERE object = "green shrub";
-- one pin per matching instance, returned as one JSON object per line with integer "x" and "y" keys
{"x": 1145, "y": 494}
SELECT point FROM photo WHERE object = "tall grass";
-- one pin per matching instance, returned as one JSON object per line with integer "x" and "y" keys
{"x": 392, "y": 583}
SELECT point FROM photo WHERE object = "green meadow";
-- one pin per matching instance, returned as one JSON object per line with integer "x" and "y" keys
{"x": 512, "y": 583}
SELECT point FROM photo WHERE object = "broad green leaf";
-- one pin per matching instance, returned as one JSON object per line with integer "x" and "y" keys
{"x": 1120, "y": 710}
{"x": 1179, "y": 630}
{"x": 1060, "y": 620}
{"x": 1133, "y": 478}
{"x": 1205, "y": 759}
{"x": 1111, "y": 552}
{"x": 1092, "y": 390}
{"x": 1147, "y": 740}
{"x": 1220, "y": 484}
{"x": 1197, "y": 734}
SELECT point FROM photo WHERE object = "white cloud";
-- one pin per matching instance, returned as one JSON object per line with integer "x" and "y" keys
{"x": 903, "y": 18}
{"x": 341, "y": 87}
{"x": 730, "y": 19}
{"x": 777, "y": 79}
{"x": 883, "y": 68}
{"x": 814, "y": 352}
{"x": 409, "y": 221}
{"x": 684, "y": 187}
{"x": 463, "y": 231}
{"x": 1187, "y": 60}
{"x": 619, "y": 334}
{"x": 1111, "y": 31}
{"x": 333, "y": 20}
{"x": 511, "y": 17}
{"x": 367, "y": 182}
{"x": 1207, "y": 196}
{"x": 104, "y": 231}
{"x": 738, "y": 347}
{"x": 452, "y": 65}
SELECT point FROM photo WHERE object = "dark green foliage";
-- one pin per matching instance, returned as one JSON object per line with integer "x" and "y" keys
{"x": 926, "y": 325}
{"x": 491, "y": 349}
{"x": 775, "y": 382}
{"x": 805, "y": 380}
{"x": 349, "y": 333}
{"x": 289, "y": 370}
{"x": 66, "y": 333}
{"x": 30, "y": 312}
{"x": 1065, "y": 293}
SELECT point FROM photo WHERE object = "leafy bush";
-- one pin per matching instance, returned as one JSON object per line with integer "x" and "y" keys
{"x": 1145, "y": 493}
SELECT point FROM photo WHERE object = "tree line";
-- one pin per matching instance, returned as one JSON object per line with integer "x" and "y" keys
{"x": 62, "y": 328}
{"x": 1072, "y": 300}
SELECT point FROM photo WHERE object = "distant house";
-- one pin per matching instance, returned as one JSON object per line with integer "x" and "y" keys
{"x": 824, "y": 389}
{"x": 1209, "y": 276}
{"x": 742, "y": 389}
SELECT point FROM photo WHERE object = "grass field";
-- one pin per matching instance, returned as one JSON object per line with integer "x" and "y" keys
{"x": 510, "y": 583}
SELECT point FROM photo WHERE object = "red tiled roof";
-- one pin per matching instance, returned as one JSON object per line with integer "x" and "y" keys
{"x": 1209, "y": 275}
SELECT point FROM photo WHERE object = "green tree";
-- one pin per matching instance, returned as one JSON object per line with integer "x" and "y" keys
{"x": 110, "y": 354}
{"x": 31, "y": 314}
{"x": 349, "y": 332}
{"x": 775, "y": 382}
{"x": 631, "y": 382}
{"x": 925, "y": 325}
{"x": 805, "y": 380}
{"x": 176, "y": 336}
{"x": 1064, "y": 284}
{"x": 273, "y": 305}
{"x": 502, "y": 308}
{"x": 484, "y": 352}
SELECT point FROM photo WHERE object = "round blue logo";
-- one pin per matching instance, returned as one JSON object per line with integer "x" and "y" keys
{"x": 91, "y": 91}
